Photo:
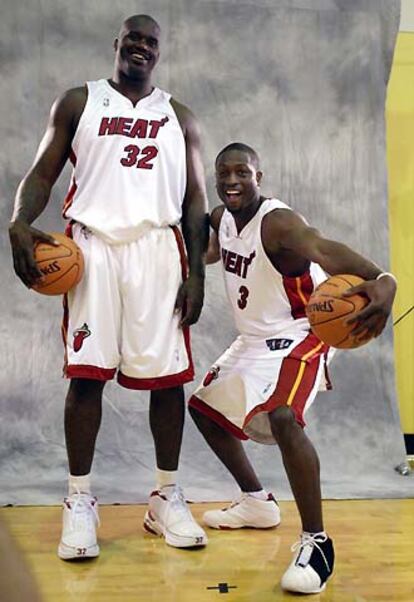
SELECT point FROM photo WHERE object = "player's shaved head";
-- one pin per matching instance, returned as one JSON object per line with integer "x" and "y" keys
{"x": 244, "y": 148}
{"x": 135, "y": 20}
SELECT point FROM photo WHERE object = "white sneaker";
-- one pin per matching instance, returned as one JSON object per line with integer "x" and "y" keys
{"x": 80, "y": 517}
{"x": 312, "y": 565}
{"x": 168, "y": 515}
{"x": 247, "y": 511}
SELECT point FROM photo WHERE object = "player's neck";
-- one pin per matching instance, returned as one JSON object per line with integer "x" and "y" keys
{"x": 243, "y": 218}
{"x": 134, "y": 89}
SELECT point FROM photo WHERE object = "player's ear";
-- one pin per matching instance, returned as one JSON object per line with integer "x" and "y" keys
{"x": 259, "y": 175}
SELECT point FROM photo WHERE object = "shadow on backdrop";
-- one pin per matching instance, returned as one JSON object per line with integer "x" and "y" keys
{"x": 304, "y": 83}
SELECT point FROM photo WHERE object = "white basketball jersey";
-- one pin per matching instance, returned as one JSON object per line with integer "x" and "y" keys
{"x": 265, "y": 303}
{"x": 129, "y": 164}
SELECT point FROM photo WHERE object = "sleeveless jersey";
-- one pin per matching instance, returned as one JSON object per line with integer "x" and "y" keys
{"x": 129, "y": 164}
{"x": 265, "y": 303}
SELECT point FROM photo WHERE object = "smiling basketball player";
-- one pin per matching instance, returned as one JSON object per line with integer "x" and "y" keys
{"x": 137, "y": 175}
{"x": 261, "y": 387}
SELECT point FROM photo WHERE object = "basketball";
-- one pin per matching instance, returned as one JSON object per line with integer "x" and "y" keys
{"x": 328, "y": 311}
{"x": 61, "y": 266}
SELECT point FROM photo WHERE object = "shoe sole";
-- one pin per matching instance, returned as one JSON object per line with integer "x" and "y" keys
{"x": 176, "y": 541}
{"x": 70, "y": 553}
{"x": 299, "y": 591}
{"x": 224, "y": 527}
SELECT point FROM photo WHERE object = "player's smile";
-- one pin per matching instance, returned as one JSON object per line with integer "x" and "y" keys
{"x": 233, "y": 197}
{"x": 237, "y": 181}
{"x": 139, "y": 57}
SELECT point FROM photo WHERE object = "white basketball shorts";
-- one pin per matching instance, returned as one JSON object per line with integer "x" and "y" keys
{"x": 255, "y": 376}
{"x": 120, "y": 317}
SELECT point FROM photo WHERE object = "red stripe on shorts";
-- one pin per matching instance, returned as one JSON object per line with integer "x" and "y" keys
{"x": 64, "y": 331}
{"x": 184, "y": 272}
{"x": 92, "y": 372}
{"x": 159, "y": 382}
{"x": 65, "y": 320}
{"x": 298, "y": 291}
{"x": 201, "y": 406}
{"x": 296, "y": 379}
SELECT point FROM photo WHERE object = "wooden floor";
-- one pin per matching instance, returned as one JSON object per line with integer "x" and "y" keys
{"x": 374, "y": 543}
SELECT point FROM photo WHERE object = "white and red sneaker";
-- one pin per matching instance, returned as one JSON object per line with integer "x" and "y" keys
{"x": 247, "y": 511}
{"x": 80, "y": 517}
{"x": 169, "y": 516}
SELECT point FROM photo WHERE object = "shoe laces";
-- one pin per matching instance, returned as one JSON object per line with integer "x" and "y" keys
{"x": 178, "y": 503}
{"x": 312, "y": 540}
{"x": 81, "y": 509}
{"x": 244, "y": 496}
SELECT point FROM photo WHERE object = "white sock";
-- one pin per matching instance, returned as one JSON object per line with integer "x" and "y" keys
{"x": 259, "y": 495}
{"x": 320, "y": 533}
{"x": 80, "y": 484}
{"x": 165, "y": 478}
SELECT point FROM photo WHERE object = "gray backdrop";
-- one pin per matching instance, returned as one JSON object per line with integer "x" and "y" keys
{"x": 304, "y": 82}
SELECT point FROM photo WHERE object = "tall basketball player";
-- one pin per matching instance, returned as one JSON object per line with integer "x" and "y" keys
{"x": 137, "y": 174}
{"x": 262, "y": 385}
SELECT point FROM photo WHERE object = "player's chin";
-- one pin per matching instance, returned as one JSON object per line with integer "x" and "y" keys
{"x": 138, "y": 71}
{"x": 232, "y": 209}
{"x": 232, "y": 205}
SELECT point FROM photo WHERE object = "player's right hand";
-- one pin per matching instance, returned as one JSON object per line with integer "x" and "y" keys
{"x": 22, "y": 239}
{"x": 372, "y": 319}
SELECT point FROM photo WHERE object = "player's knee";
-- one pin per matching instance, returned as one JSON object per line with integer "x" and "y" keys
{"x": 83, "y": 389}
{"x": 282, "y": 422}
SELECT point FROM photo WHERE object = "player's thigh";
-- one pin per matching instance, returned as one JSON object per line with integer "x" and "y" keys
{"x": 153, "y": 344}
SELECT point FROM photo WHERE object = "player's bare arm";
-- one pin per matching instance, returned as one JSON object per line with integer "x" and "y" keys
{"x": 213, "y": 251}
{"x": 194, "y": 218}
{"x": 34, "y": 191}
{"x": 285, "y": 230}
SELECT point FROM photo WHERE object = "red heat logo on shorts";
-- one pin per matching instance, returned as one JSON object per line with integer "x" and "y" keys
{"x": 79, "y": 336}
{"x": 212, "y": 374}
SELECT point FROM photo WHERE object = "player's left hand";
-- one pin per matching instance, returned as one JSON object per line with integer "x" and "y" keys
{"x": 190, "y": 299}
{"x": 371, "y": 320}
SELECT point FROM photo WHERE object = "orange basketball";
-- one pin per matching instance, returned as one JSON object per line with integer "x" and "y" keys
{"x": 61, "y": 266}
{"x": 328, "y": 311}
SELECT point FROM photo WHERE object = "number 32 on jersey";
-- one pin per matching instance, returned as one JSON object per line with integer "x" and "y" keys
{"x": 140, "y": 158}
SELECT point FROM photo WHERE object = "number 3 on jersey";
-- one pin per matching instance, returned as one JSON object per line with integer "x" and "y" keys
{"x": 242, "y": 300}
{"x": 144, "y": 162}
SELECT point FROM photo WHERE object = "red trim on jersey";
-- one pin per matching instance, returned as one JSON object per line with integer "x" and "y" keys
{"x": 298, "y": 291}
{"x": 160, "y": 382}
{"x": 296, "y": 379}
{"x": 69, "y": 197}
{"x": 69, "y": 229}
{"x": 204, "y": 408}
{"x": 92, "y": 372}
{"x": 72, "y": 157}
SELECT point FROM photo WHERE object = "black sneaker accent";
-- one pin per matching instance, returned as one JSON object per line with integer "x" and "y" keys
{"x": 322, "y": 559}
